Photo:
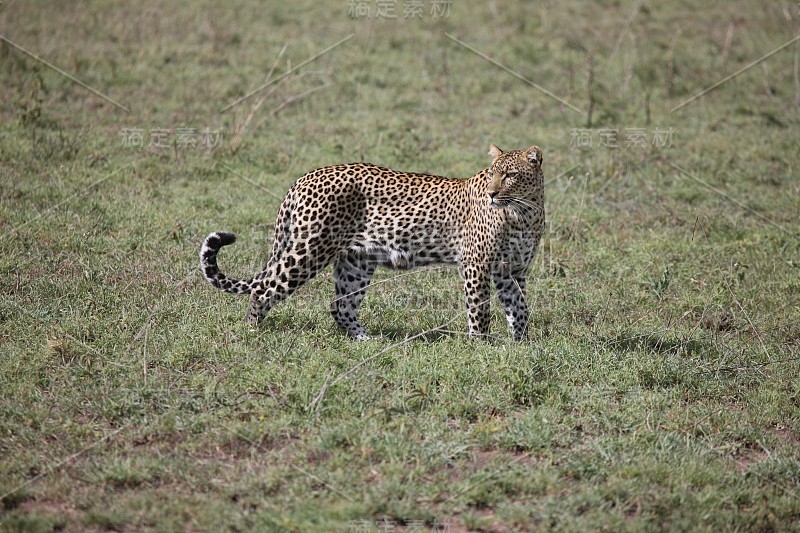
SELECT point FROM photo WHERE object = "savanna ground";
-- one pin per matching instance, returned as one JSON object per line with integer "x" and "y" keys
{"x": 659, "y": 388}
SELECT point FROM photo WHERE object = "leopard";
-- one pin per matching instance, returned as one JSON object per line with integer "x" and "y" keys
{"x": 360, "y": 216}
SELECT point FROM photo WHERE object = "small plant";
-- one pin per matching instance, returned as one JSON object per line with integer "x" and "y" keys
{"x": 660, "y": 285}
{"x": 30, "y": 106}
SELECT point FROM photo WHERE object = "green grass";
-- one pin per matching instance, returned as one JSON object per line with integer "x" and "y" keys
{"x": 660, "y": 386}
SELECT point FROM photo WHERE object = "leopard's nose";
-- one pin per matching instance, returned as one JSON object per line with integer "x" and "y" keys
{"x": 492, "y": 194}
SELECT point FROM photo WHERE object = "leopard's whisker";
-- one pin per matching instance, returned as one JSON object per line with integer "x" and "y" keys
{"x": 521, "y": 206}
{"x": 529, "y": 204}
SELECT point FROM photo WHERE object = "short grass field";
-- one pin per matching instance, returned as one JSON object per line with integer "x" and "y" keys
{"x": 660, "y": 385}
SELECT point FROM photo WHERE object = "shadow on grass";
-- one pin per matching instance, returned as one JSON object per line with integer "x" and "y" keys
{"x": 652, "y": 343}
{"x": 293, "y": 325}
{"x": 398, "y": 334}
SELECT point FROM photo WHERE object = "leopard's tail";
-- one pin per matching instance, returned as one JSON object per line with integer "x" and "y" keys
{"x": 208, "y": 264}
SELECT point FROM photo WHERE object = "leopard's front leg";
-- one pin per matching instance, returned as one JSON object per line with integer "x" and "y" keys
{"x": 476, "y": 292}
{"x": 511, "y": 293}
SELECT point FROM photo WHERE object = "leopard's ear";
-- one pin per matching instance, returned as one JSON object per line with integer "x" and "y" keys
{"x": 494, "y": 151}
{"x": 534, "y": 154}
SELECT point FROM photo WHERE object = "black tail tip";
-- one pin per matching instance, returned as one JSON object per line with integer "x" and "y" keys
{"x": 226, "y": 238}
{"x": 220, "y": 238}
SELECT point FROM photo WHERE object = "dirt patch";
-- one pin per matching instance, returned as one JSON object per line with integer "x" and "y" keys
{"x": 747, "y": 457}
{"x": 316, "y": 457}
{"x": 482, "y": 459}
{"x": 785, "y": 434}
{"x": 722, "y": 322}
{"x": 157, "y": 440}
{"x": 66, "y": 512}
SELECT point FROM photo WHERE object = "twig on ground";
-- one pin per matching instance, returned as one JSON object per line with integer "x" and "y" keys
{"x": 296, "y": 98}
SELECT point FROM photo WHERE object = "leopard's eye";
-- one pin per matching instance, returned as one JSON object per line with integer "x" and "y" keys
{"x": 511, "y": 175}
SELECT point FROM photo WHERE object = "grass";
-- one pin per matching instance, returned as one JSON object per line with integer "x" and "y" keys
{"x": 659, "y": 388}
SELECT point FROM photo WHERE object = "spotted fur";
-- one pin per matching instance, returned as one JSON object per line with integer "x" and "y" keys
{"x": 360, "y": 216}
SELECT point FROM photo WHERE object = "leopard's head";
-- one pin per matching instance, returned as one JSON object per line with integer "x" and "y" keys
{"x": 515, "y": 177}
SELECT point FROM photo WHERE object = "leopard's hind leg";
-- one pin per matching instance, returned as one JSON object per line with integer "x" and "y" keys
{"x": 352, "y": 274}
{"x": 309, "y": 236}
{"x": 285, "y": 273}
{"x": 298, "y": 254}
